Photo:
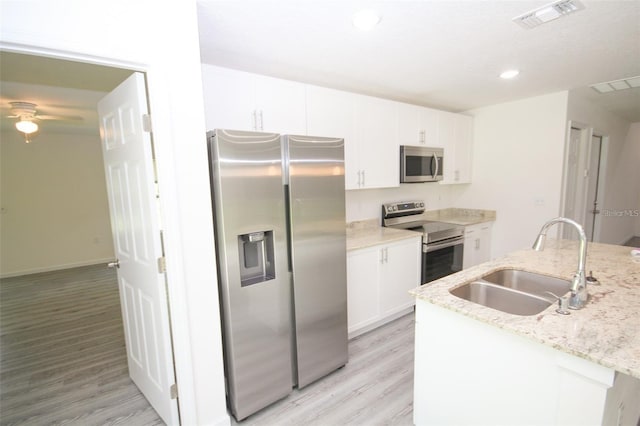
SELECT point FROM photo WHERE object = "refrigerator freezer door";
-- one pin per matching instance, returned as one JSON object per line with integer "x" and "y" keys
{"x": 255, "y": 293}
{"x": 318, "y": 253}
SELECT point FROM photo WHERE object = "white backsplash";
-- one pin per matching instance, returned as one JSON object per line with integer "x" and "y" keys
{"x": 365, "y": 204}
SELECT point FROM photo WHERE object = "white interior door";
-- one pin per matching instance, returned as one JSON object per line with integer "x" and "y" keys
{"x": 133, "y": 207}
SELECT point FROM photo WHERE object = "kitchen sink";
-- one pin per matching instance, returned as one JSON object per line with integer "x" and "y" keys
{"x": 528, "y": 282}
{"x": 503, "y": 299}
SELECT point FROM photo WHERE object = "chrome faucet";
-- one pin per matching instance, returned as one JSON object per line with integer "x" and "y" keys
{"x": 579, "y": 294}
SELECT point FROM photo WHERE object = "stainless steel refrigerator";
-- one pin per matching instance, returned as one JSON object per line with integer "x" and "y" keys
{"x": 279, "y": 213}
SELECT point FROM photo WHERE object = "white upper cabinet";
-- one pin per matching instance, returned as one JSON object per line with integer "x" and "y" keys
{"x": 456, "y": 134}
{"x": 280, "y": 106}
{"x": 418, "y": 126}
{"x": 244, "y": 101}
{"x": 372, "y": 128}
{"x": 376, "y": 157}
{"x": 229, "y": 99}
{"x": 332, "y": 113}
{"x": 369, "y": 128}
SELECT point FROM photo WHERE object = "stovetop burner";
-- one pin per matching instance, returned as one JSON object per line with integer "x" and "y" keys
{"x": 410, "y": 216}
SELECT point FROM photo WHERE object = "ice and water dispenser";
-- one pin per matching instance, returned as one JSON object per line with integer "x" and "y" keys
{"x": 256, "y": 257}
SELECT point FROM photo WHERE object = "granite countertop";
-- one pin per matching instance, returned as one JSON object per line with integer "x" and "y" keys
{"x": 465, "y": 217}
{"x": 368, "y": 233}
{"x": 606, "y": 331}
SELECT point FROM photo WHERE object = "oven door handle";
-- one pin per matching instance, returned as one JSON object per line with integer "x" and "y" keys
{"x": 427, "y": 248}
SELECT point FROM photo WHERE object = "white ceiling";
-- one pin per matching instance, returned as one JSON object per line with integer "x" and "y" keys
{"x": 445, "y": 54}
{"x": 59, "y": 88}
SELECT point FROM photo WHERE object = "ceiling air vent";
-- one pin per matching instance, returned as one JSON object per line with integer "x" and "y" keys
{"x": 547, "y": 13}
{"x": 612, "y": 86}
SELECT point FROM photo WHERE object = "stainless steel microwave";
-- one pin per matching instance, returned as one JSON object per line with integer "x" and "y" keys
{"x": 420, "y": 164}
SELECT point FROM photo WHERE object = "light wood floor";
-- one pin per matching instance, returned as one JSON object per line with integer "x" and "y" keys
{"x": 62, "y": 353}
{"x": 63, "y": 361}
{"x": 374, "y": 388}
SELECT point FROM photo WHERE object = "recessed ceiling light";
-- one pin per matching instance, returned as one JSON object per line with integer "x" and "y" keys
{"x": 366, "y": 20}
{"x": 509, "y": 74}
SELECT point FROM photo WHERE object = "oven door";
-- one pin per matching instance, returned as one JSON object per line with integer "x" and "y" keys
{"x": 442, "y": 258}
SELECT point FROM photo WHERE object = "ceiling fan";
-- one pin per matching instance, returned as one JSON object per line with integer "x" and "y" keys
{"x": 27, "y": 116}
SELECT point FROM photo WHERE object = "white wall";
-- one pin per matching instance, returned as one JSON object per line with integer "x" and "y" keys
{"x": 517, "y": 167}
{"x": 55, "y": 212}
{"x": 622, "y": 179}
{"x": 160, "y": 38}
{"x": 365, "y": 204}
{"x": 632, "y": 144}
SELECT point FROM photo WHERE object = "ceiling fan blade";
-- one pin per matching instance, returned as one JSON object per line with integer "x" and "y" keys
{"x": 59, "y": 117}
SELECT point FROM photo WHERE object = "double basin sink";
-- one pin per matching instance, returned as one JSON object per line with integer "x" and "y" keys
{"x": 513, "y": 291}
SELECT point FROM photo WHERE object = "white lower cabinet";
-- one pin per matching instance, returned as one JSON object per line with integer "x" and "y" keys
{"x": 469, "y": 372}
{"x": 378, "y": 282}
{"x": 477, "y": 244}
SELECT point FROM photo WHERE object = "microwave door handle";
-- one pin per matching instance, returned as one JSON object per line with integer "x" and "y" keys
{"x": 435, "y": 158}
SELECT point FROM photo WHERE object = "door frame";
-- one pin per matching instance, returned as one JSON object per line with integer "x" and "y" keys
{"x": 580, "y": 206}
{"x": 602, "y": 177}
{"x": 176, "y": 294}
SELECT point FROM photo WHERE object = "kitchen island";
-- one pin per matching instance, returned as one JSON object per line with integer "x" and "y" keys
{"x": 477, "y": 365}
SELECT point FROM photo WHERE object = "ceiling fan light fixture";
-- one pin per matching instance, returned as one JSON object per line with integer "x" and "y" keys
{"x": 26, "y": 126}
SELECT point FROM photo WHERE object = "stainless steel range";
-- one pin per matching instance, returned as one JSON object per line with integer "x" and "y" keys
{"x": 442, "y": 242}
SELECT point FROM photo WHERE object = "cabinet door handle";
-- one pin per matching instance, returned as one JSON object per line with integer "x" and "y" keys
{"x": 261, "y": 122}
{"x": 363, "y": 177}
{"x": 254, "y": 124}
{"x": 477, "y": 243}
{"x": 422, "y": 137}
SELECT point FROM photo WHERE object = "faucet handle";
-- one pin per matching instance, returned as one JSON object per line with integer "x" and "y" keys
{"x": 591, "y": 280}
{"x": 562, "y": 303}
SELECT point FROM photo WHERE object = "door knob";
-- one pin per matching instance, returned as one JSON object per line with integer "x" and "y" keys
{"x": 115, "y": 264}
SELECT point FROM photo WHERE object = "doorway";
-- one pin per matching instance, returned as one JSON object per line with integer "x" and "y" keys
{"x": 63, "y": 77}
{"x": 584, "y": 177}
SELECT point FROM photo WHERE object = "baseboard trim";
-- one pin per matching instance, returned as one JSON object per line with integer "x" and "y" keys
{"x": 55, "y": 267}
{"x": 627, "y": 242}
{"x": 362, "y": 329}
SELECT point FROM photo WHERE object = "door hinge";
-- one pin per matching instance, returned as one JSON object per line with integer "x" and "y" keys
{"x": 173, "y": 390}
{"x": 146, "y": 123}
{"x": 162, "y": 265}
